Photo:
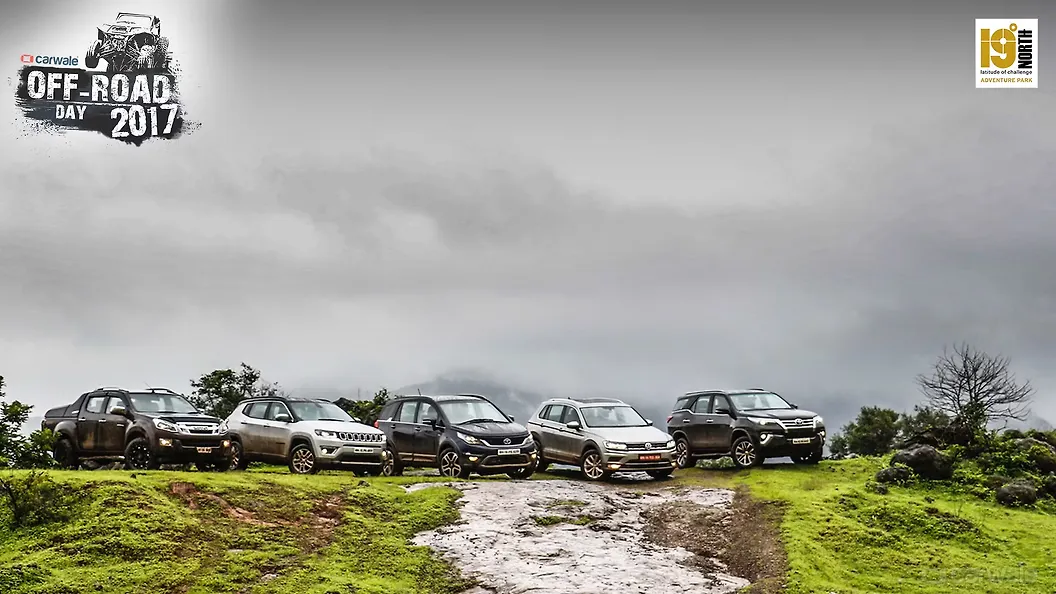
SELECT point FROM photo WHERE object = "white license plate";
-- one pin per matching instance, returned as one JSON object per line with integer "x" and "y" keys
{"x": 800, "y": 440}
{"x": 205, "y": 450}
{"x": 363, "y": 450}
{"x": 509, "y": 452}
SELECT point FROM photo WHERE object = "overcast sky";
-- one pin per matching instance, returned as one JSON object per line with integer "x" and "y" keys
{"x": 626, "y": 198}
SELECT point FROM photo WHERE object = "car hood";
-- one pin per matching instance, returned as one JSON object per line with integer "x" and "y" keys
{"x": 648, "y": 434}
{"x": 491, "y": 428}
{"x": 340, "y": 426}
{"x": 184, "y": 417}
{"x": 781, "y": 414}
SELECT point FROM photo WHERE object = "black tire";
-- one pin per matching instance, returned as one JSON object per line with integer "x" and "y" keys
{"x": 238, "y": 456}
{"x": 140, "y": 456}
{"x": 391, "y": 466}
{"x": 744, "y": 453}
{"x": 65, "y": 454}
{"x": 591, "y": 466}
{"x": 91, "y": 57}
{"x": 660, "y": 474}
{"x": 541, "y": 463}
{"x": 161, "y": 53}
{"x": 682, "y": 457}
{"x": 302, "y": 460}
{"x": 450, "y": 464}
{"x": 521, "y": 473}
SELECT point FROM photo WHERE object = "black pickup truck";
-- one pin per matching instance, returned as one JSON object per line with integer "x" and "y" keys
{"x": 144, "y": 428}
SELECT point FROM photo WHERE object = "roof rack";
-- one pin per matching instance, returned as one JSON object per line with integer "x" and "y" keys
{"x": 100, "y": 388}
{"x": 165, "y": 390}
{"x": 596, "y": 400}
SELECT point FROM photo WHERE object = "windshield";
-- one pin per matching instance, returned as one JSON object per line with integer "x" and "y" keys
{"x": 150, "y": 402}
{"x": 460, "y": 412}
{"x": 319, "y": 411}
{"x": 759, "y": 401}
{"x": 618, "y": 415}
{"x": 138, "y": 20}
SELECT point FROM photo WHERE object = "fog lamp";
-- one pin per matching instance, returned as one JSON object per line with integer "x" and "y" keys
{"x": 165, "y": 443}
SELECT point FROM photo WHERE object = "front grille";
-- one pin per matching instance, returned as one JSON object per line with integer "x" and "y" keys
{"x": 493, "y": 461}
{"x": 199, "y": 428}
{"x": 792, "y": 424}
{"x": 652, "y": 445}
{"x": 505, "y": 442}
{"x": 362, "y": 437}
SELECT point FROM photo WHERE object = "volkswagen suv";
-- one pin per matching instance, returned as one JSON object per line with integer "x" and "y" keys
{"x": 458, "y": 435}
{"x": 746, "y": 425}
{"x": 602, "y": 436}
{"x": 306, "y": 434}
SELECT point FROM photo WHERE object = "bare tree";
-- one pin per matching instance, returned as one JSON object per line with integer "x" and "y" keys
{"x": 975, "y": 388}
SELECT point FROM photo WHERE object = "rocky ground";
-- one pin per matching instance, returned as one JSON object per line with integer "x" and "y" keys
{"x": 561, "y": 537}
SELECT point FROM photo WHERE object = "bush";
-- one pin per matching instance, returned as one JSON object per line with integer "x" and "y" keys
{"x": 34, "y": 498}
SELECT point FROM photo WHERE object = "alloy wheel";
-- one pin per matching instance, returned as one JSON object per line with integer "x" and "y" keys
{"x": 388, "y": 466}
{"x": 450, "y": 465}
{"x": 236, "y": 454}
{"x": 303, "y": 461}
{"x": 681, "y": 454}
{"x": 140, "y": 456}
{"x": 745, "y": 453}
{"x": 592, "y": 466}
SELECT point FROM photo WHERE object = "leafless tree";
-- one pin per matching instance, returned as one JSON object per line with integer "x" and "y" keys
{"x": 975, "y": 388}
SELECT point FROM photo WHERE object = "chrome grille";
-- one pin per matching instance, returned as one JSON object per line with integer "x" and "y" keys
{"x": 506, "y": 441}
{"x": 199, "y": 428}
{"x": 361, "y": 437}
{"x": 651, "y": 445}
{"x": 791, "y": 424}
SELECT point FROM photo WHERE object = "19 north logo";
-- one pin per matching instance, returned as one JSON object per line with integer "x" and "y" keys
{"x": 1006, "y": 53}
{"x": 126, "y": 87}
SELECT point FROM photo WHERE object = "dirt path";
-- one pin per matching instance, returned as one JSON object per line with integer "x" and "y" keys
{"x": 565, "y": 537}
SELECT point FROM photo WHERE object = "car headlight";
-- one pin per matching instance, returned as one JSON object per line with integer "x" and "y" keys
{"x": 818, "y": 421}
{"x": 762, "y": 421}
{"x": 670, "y": 444}
{"x": 530, "y": 440}
{"x": 223, "y": 428}
{"x": 166, "y": 426}
{"x": 325, "y": 433}
{"x": 615, "y": 445}
{"x": 468, "y": 439}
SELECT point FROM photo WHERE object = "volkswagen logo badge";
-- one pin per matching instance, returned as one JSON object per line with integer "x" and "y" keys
{"x": 648, "y": 446}
{"x": 506, "y": 441}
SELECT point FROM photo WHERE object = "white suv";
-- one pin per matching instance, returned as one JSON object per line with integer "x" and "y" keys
{"x": 306, "y": 434}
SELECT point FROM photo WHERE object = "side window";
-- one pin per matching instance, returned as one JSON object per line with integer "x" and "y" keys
{"x": 114, "y": 401}
{"x": 256, "y": 410}
{"x": 702, "y": 405}
{"x": 408, "y": 412}
{"x": 276, "y": 409}
{"x": 95, "y": 404}
{"x": 682, "y": 403}
{"x": 389, "y": 411}
{"x": 571, "y": 415}
{"x": 427, "y": 411}
{"x": 543, "y": 412}
{"x": 555, "y": 413}
{"x": 721, "y": 405}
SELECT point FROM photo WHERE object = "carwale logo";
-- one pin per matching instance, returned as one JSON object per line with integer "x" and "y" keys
{"x": 50, "y": 60}
{"x": 1006, "y": 53}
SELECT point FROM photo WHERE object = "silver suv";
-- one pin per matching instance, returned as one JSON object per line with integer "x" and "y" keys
{"x": 306, "y": 434}
{"x": 601, "y": 436}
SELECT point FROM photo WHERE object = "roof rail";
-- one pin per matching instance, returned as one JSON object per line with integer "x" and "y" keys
{"x": 107, "y": 388}
{"x": 166, "y": 390}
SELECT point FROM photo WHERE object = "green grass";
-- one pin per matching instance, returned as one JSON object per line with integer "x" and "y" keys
{"x": 254, "y": 532}
{"x": 841, "y": 537}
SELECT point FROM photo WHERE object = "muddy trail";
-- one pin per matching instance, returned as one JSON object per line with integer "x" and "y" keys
{"x": 570, "y": 537}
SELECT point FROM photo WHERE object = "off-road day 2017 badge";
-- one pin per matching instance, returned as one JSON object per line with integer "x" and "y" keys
{"x": 125, "y": 86}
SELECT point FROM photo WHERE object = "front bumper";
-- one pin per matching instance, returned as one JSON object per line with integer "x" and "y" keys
{"x": 182, "y": 449}
{"x": 638, "y": 460}
{"x": 776, "y": 445}
{"x": 341, "y": 454}
{"x": 483, "y": 459}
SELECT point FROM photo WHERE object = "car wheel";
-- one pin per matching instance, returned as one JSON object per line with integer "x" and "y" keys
{"x": 451, "y": 465}
{"x": 744, "y": 453}
{"x": 64, "y": 454}
{"x": 682, "y": 457}
{"x": 238, "y": 456}
{"x": 302, "y": 460}
{"x": 592, "y": 466}
{"x": 139, "y": 456}
{"x": 91, "y": 57}
{"x": 659, "y": 474}
{"x": 390, "y": 466}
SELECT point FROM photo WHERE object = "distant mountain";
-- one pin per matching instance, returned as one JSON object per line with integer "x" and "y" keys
{"x": 520, "y": 403}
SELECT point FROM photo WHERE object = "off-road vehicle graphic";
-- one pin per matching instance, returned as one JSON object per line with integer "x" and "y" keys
{"x": 132, "y": 42}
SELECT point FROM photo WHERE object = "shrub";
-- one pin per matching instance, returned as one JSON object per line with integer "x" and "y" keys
{"x": 34, "y": 498}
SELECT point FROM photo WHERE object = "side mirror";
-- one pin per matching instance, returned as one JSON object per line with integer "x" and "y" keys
{"x": 283, "y": 418}
{"x": 511, "y": 417}
{"x": 649, "y": 421}
{"x": 795, "y": 406}
{"x": 432, "y": 422}
{"x": 723, "y": 411}
{"x": 118, "y": 410}
{"x": 574, "y": 425}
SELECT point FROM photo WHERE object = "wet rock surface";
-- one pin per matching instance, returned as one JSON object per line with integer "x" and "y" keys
{"x": 565, "y": 537}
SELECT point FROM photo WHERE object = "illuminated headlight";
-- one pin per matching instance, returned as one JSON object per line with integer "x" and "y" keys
{"x": 165, "y": 443}
{"x": 325, "y": 433}
{"x": 669, "y": 444}
{"x": 222, "y": 428}
{"x": 763, "y": 421}
{"x": 818, "y": 421}
{"x": 468, "y": 439}
{"x": 615, "y": 445}
{"x": 166, "y": 426}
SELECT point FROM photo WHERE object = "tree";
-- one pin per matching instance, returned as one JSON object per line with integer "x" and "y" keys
{"x": 872, "y": 433}
{"x": 219, "y": 392}
{"x": 921, "y": 420}
{"x": 975, "y": 389}
{"x": 366, "y": 411}
{"x": 15, "y": 449}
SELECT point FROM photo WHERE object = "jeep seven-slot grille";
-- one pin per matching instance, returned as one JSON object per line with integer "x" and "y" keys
{"x": 361, "y": 437}
{"x": 509, "y": 441}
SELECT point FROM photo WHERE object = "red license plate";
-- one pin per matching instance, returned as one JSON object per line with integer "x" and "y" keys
{"x": 649, "y": 457}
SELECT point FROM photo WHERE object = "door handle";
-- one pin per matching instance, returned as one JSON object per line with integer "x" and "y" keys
{"x": 417, "y": 429}
{"x": 689, "y": 420}
{"x": 710, "y": 421}
{"x": 83, "y": 419}
{"x": 101, "y": 421}
{"x": 120, "y": 424}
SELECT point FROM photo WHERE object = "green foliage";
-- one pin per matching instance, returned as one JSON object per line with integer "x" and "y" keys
{"x": 872, "y": 433}
{"x": 33, "y": 499}
{"x": 17, "y": 451}
{"x": 219, "y": 392}
{"x": 366, "y": 411}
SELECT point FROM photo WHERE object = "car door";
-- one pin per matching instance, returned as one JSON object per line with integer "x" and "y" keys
{"x": 403, "y": 432}
{"x": 696, "y": 422}
{"x": 571, "y": 439}
{"x": 554, "y": 435}
{"x": 251, "y": 429}
{"x": 719, "y": 428}
{"x": 426, "y": 436}
{"x": 111, "y": 428}
{"x": 276, "y": 432}
{"x": 88, "y": 424}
